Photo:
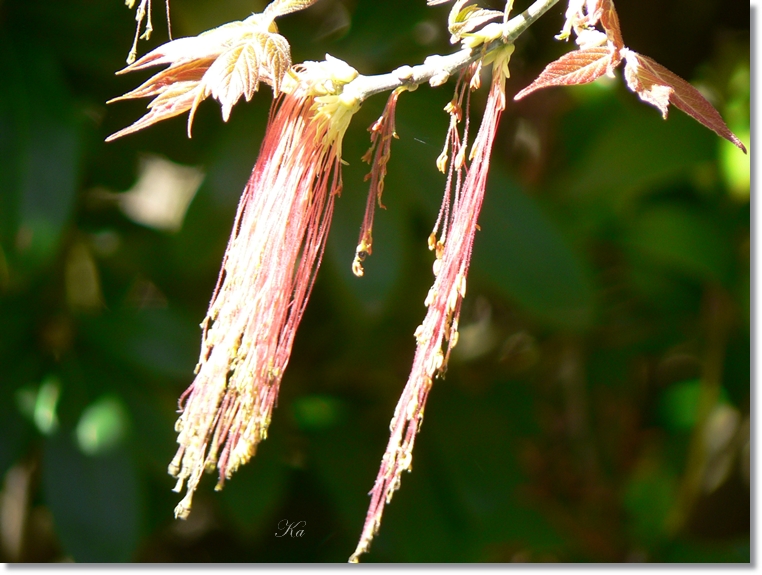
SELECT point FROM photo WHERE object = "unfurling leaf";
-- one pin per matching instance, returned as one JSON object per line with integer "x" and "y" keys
{"x": 234, "y": 74}
{"x": 277, "y": 53}
{"x": 578, "y": 67}
{"x": 175, "y": 99}
{"x": 238, "y": 71}
{"x": 227, "y": 63}
{"x": 463, "y": 21}
{"x": 281, "y": 7}
{"x": 658, "y": 86}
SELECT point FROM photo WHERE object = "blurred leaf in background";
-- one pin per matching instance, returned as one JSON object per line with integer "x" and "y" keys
{"x": 596, "y": 408}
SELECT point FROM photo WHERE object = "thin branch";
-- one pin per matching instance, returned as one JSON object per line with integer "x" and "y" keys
{"x": 440, "y": 68}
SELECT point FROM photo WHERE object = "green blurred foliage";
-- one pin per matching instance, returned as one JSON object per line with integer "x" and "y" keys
{"x": 601, "y": 383}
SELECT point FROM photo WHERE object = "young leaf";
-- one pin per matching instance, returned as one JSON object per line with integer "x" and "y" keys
{"x": 610, "y": 22}
{"x": 660, "y": 87}
{"x": 227, "y": 62}
{"x": 578, "y": 67}
{"x": 238, "y": 71}
{"x": 281, "y": 7}
{"x": 469, "y": 20}
{"x": 173, "y": 100}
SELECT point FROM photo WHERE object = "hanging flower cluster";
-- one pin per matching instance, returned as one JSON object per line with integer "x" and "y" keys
{"x": 285, "y": 211}
{"x": 267, "y": 274}
{"x": 438, "y": 334}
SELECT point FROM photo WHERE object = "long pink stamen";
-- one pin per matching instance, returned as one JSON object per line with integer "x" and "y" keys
{"x": 267, "y": 275}
{"x": 438, "y": 333}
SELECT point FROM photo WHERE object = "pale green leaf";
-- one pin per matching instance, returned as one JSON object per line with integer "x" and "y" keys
{"x": 281, "y": 7}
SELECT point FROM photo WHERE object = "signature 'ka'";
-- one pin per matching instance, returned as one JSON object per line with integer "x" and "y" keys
{"x": 284, "y": 214}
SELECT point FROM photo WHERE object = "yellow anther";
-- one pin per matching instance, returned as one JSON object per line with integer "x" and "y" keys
{"x": 442, "y": 164}
{"x": 437, "y": 267}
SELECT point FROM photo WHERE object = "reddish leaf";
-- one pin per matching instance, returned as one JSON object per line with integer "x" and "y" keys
{"x": 578, "y": 67}
{"x": 187, "y": 72}
{"x": 610, "y": 22}
{"x": 173, "y": 100}
{"x": 660, "y": 87}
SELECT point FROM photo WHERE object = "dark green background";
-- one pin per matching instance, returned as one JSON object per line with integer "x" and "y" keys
{"x": 608, "y": 302}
